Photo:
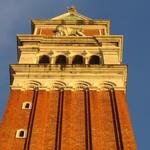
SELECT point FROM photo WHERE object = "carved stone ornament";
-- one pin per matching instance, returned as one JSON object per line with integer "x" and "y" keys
{"x": 68, "y": 31}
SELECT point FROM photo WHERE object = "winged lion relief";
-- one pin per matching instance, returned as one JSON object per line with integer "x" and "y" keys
{"x": 68, "y": 31}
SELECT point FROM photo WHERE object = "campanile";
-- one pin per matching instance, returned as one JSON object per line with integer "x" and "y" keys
{"x": 68, "y": 89}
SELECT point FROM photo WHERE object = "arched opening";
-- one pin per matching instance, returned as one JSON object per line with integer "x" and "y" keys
{"x": 94, "y": 60}
{"x": 77, "y": 60}
{"x": 27, "y": 105}
{"x": 61, "y": 59}
{"x": 44, "y": 59}
{"x": 21, "y": 133}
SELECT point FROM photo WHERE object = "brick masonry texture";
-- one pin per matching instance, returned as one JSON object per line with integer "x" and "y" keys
{"x": 72, "y": 121}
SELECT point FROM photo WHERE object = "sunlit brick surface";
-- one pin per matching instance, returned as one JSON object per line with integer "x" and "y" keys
{"x": 72, "y": 131}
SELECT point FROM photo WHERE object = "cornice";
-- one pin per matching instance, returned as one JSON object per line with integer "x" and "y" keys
{"x": 37, "y": 48}
{"x": 70, "y": 40}
{"x": 49, "y": 67}
{"x": 70, "y": 77}
{"x": 100, "y": 88}
{"x": 25, "y": 71}
{"x": 69, "y": 22}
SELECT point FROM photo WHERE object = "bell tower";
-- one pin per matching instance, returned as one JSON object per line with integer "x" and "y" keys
{"x": 68, "y": 89}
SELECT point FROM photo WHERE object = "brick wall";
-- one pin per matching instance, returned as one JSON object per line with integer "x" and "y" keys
{"x": 14, "y": 118}
{"x": 71, "y": 130}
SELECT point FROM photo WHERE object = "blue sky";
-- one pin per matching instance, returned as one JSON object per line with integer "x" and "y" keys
{"x": 129, "y": 17}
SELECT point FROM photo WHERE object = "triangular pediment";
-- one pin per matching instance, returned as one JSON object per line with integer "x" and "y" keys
{"x": 72, "y": 14}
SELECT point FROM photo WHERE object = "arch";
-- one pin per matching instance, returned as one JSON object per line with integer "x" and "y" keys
{"x": 94, "y": 60}
{"x": 58, "y": 84}
{"x": 61, "y": 59}
{"x": 107, "y": 85}
{"x": 78, "y": 59}
{"x": 80, "y": 84}
{"x": 32, "y": 84}
{"x": 44, "y": 59}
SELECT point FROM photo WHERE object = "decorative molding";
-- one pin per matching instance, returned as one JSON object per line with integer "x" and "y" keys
{"x": 68, "y": 76}
{"x": 62, "y": 30}
{"x": 68, "y": 85}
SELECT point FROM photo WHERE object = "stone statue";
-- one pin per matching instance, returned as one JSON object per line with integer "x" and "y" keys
{"x": 68, "y": 31}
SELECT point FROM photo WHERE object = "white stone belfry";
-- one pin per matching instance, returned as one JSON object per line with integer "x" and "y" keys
{"x": 70, "y": 51}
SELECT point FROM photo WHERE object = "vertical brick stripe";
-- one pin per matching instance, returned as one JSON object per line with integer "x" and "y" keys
{"x": 51, "y": 122}
{"x": 128, "y": 139}
{"x": 88, "y": 137}
{"x": 107, "y": 128}
{"x": 116, "y": 121}
{"x": 103, "y": 136}
{"x": 73, "y": 124}
{"x": 59, "y": 120}
{"x": 31, "y": 120}
{"x": 96, "y": 119}
{"x": 40, "y": 120}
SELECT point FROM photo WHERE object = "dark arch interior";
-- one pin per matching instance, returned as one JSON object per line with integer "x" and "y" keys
{"x": 44, "y": 59}
{"x": 94, "y": 60}
{"x": 61, "y": 59}
{"x": 78, "y": 60}
{"x": 21, "y": 134}
{"x": 27, "y": 105}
